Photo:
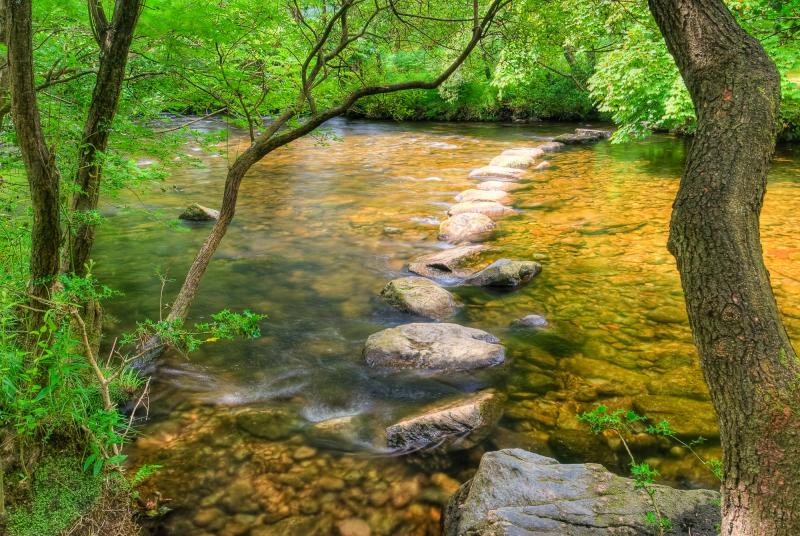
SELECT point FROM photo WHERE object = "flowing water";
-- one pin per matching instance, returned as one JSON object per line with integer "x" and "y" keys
{"x": 321, "y": 227}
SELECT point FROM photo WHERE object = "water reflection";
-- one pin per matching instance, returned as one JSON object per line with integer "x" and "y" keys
{"x": 282, "y": 435}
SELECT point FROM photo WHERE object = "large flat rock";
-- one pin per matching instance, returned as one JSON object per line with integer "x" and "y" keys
{"x": 455, "y": 262}
{"x": 433, "y": 347}
{"x": 420, "y": 296}
{"x": 516, "y": 493}
{"x": 450, "y": 425}
{"x": 518, "y": 161}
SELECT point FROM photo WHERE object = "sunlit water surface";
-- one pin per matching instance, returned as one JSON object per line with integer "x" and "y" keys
{"x": 320, "y": 228}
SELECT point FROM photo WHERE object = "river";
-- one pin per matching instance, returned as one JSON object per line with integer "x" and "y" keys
{"x": 321, "y": 227}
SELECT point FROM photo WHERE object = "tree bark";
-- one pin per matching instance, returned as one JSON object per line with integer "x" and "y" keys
{"x": 751, "y": 368}
{"x": 43, "y": 178}
{"x": 114, "y": 39}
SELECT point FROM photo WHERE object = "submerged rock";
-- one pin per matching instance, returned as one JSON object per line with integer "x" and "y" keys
{"x": 453, "y": 262}
{"x": 492, "y": 209}
{"x": 689, "y": 418}
{"x": 518, "y": 161}
{"x": 496, "y": 172}
{"x": 531, "y": 321}
{"x": 467, "y": 227}
{"x": 433, "y": 347}
{"x": 483, "y": 195}
{"x": 420, "y": 296}
{"x": 516, "y": 492}
{"x": 544, "y": 164}
{"x": 273, "y": 424}
{"x": 505, "y": 273}
{"x": 552, "y": 147}
{"x": 195, "y": 212}
{"x": 453, "y": 425}
{"x": 505, "y": 186}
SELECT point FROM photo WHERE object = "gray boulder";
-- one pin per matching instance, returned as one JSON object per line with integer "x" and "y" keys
{"x": 448, "y": 263}
{"x": 433, "y": 347}
{"x": 195, "y": 212}
{"x": 466, "y": 227}
{"x": 516, "y": 493}
{"x": 505, "y": 273}
{"x": 593, "y": 132}
{"x": 452, "y": 425}
{"x": 420, "y": 296}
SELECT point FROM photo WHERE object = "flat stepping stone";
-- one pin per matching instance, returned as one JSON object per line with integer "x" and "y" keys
{"x": 498, "y": 196}
{"x": 451, "y": 425}
{"x": 583, "y": 135}
{"x": 491, "y": 209}
{"x": 530, "y": 152}
{"x": 496, "y": 172}
{"x": 505, "y": 273}
{"x": 433, "y": 347}
{"x": 517, "y": 161}
{"x": 544, "y": 164}
{"x": 552, "y": 147}
{"x": 451, "y": 262}
{"x": 504, "y": 186}
{"x": 467, "y": 227}
{"x": 420, "y": 296}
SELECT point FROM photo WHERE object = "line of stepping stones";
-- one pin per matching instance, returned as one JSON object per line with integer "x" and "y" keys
{"x": 443, "y": 347}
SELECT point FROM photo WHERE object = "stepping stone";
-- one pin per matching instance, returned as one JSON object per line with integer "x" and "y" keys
{"x": 467, "y": 227}
{"x": 496, "y": 172}
{"x": 544, "y": 164}
{"x": 492, "y": 209}
{"x": 451, "y": 425}
{"x": 499, "y": 185}
{"x": 498, "y": 196}
{"x": 583, "y": 135}
{"x": 436, "y": 347}
{"x": 552, "y": 147}
{"x": 420, "y": 296}
{"x": 451, "y": 262}
{"x": 505, "y": 273}
{"x": 512, "y": 161}
{"x": 530, "y": 152}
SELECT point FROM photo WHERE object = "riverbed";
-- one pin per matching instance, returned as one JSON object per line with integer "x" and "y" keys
{"x": 321, "y": 226}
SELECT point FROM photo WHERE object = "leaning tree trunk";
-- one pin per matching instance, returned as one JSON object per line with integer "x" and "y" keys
{"x": 43, "y": 178}
{"x": 748, "y": 361}
{"x": 114, "y": 39}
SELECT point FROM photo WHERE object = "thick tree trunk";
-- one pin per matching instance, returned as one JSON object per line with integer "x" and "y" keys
{"x": 751, "y": 368}
{"x": 115, "y": 41}
{"x": 40, "y": 166}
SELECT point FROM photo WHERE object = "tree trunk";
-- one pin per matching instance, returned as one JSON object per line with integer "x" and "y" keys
{"x": 115, "y": 41}
{"x": 40, "y": 166}
{"x": 748, "y": 361}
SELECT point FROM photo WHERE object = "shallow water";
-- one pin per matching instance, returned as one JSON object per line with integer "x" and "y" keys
{"x": 320, "y": 228}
